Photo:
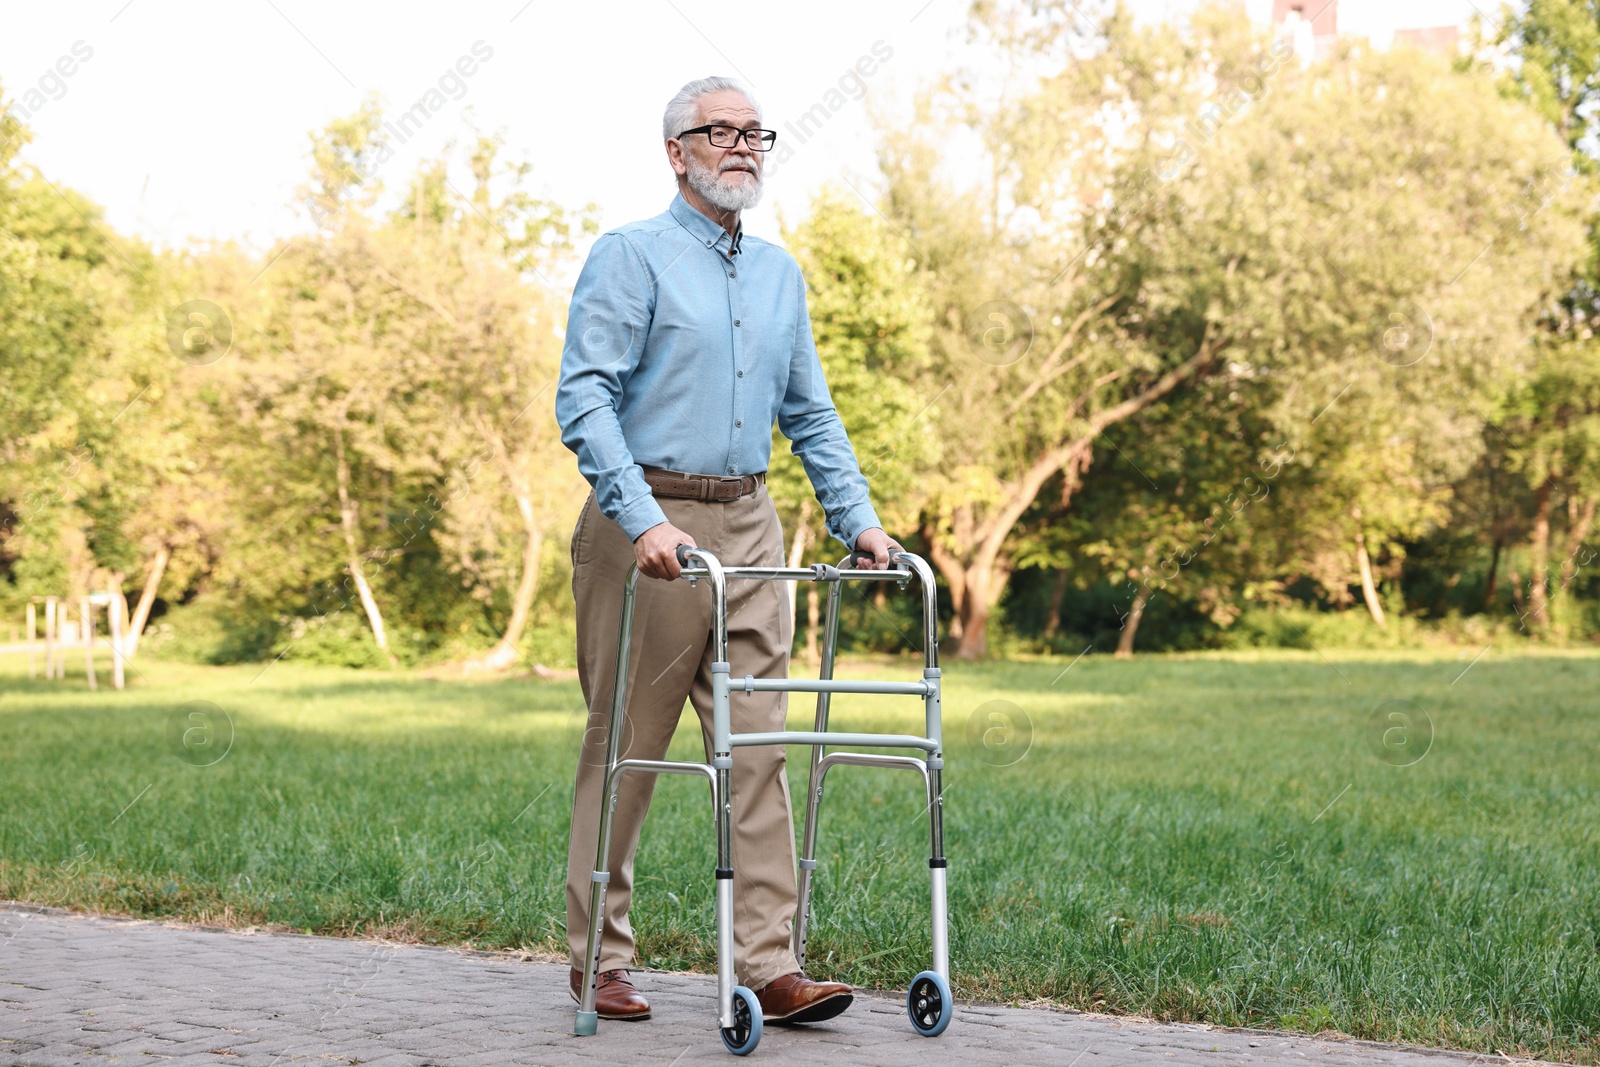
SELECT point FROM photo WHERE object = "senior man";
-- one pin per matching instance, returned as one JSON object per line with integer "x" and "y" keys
{"x": 685, "y": 341}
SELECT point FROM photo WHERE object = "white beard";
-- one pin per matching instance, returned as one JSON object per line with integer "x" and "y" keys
{"x": 708, "y": 183}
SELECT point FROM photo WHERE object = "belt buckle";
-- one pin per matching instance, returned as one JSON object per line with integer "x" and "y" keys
{"x": 737, "y": 480}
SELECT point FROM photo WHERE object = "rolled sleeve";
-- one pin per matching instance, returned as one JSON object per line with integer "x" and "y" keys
{"x": 808, "y": 418}
{"x": 607, "y": 324}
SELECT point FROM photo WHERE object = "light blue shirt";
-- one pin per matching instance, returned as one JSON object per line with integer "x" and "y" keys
{"x": 683, "y": 347}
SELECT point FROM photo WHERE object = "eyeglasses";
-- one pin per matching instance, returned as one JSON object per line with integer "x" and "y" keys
{"x": 728, "y": 136}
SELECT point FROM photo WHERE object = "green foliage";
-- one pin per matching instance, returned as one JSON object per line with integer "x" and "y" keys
{"x": 211, "y": 631}
{"x": 338, "y": 640}
{"x": 75, "y": 305}
{"x": 1067, "y": 383}
{"x": 1311, "y": 630}
{"x": 1558, "y": 44}
{"x": 869, "y": 319}
{"x": 1207, "y": 212}
{"x": 1552, "y": 412}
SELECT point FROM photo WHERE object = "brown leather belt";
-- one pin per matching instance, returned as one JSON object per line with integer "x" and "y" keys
{"x": 681, "y": 485}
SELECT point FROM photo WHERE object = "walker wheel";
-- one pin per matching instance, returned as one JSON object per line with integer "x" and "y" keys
{"x": 929, "y": 1004}
{"x": 745, "y": 1033}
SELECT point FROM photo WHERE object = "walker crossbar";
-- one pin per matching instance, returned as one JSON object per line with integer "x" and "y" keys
{"x": 821, "y": 572}
{"x": 812, "y": 737}
{"x": 869, "y": 759}
{"x": 929, "y": 1001}
{"x": 826, "y": 685}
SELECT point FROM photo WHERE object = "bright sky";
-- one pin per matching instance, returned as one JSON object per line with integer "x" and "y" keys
{"x": 189, "y": 119}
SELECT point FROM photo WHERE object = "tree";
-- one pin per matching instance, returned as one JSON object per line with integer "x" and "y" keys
{"x": 869, "y": 319}
{"x": 395, "y": 379}
{"x": 1184, "y": 510}
{"x": 327, "y": 384}
{"x": 478, "y": 268}
{"x": 1554, "y": 424}
{"x": 1553, "y": 418}
{"x": 1199, "y": 209}
{"x": 78, "y": 308}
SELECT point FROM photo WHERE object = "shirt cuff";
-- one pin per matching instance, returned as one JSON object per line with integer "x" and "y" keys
{"x": 639, "y": 516}
{"x": 853, "y": 523}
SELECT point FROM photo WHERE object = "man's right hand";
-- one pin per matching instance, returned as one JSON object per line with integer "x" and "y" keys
{"x": 656, "y": 550}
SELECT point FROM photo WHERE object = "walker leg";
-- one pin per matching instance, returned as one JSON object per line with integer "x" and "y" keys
{"x": 722, "y": 761}
{"x": 936, "y": 859}
{"x": 725, "y": 972}
{"x": 738, "y": 1010}
{"x": 588, "y": 1019}
{"x": 808, "y": 843}
{"x": 937, "y": 865}
{"x": 935, "y": 730}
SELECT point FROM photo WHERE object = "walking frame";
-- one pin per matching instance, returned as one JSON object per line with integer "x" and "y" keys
{"x": 929, "y": 1003}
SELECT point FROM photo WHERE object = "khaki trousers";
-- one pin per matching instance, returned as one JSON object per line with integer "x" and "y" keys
{"x": 670, "y": 660}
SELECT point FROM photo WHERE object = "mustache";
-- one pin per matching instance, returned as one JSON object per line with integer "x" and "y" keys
{"x": 734, "y": 164}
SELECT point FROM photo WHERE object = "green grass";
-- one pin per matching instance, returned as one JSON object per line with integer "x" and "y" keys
{"x": 1195, "y": 838}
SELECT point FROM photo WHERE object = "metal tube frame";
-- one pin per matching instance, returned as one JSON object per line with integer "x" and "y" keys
{"x": 698, "y": 564}
{"x": 933, "y": 765}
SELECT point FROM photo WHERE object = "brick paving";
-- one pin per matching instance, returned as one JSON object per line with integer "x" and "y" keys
{"x": 86, "y": 990}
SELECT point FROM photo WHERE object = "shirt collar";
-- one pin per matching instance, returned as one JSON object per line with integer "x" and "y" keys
{"x": 703, "y": 229}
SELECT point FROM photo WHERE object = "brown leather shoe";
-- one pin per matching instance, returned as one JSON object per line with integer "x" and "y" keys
{"x": 794, "y": 998}
{"x": 614, "y": 996}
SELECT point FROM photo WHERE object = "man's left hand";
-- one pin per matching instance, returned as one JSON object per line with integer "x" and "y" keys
{"x": 880, "y": 545}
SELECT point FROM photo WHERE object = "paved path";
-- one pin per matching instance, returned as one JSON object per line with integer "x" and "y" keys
{"x": 75, "y": 989}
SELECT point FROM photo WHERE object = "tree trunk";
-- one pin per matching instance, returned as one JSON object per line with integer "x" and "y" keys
{"x": 1130, "y": 625}
{"x": 504, "y": 653}
{"x": 147, "y": 599}
{"x": 1577, "y": 533}
{"x": 1539, "y": 563}
{"x": 347, "y": 521}
{"x": 955, "y": 579}
{"x": 1058, "y": 595}
{"x": 982, "y": 587}
{"x": 974, "y": 643}
{"x": 1494, "y": 575}
{"x": 1580, "y": 516}
{"x": 1369, "y": 592}
{"x": 975, "y": 589}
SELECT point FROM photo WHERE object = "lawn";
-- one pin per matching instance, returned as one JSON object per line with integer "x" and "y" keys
{"x": 1244, "y": 839}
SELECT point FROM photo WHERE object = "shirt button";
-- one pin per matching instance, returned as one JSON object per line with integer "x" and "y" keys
{"x": 730, "y": 470}
{"x": 733, "y": 274}
{"x": 741, "y": 374}
{"x": 738, "y": 422}
{"x": 736, "y": 322}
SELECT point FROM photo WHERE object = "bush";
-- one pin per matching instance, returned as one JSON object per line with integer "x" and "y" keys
{"x": 1307, "y": 628}
{"x": 554, "y": 644}
{"x": 212, "y": 632}
{"x": 341, "y": 639}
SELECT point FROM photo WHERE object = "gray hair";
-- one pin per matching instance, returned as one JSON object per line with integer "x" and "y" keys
{"x": 683, "y": 111}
